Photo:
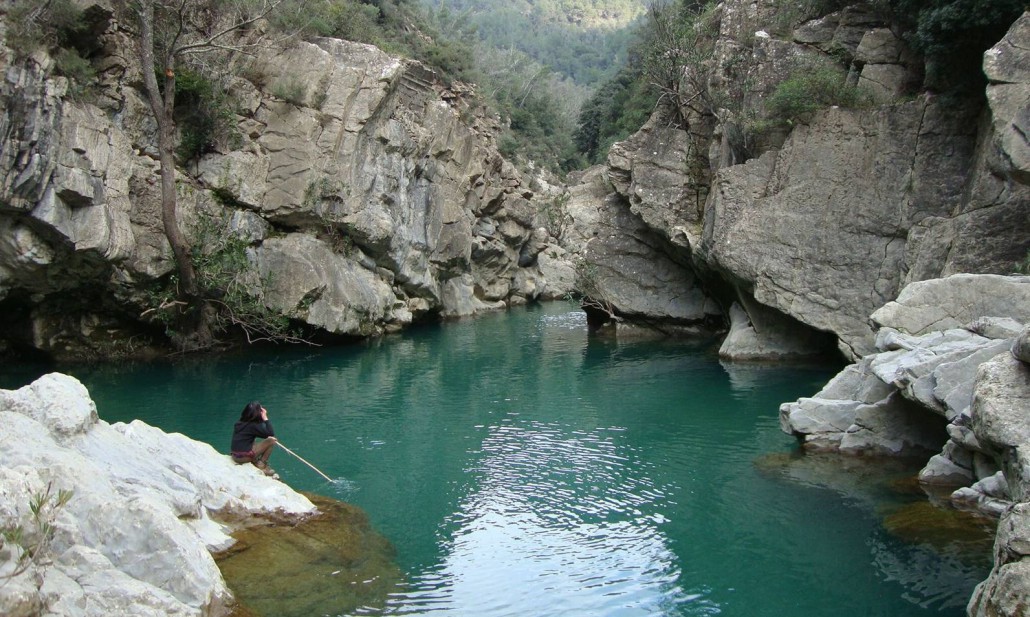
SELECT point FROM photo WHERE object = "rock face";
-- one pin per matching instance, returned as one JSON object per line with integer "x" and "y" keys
{"x": 815, "y": 225}
{"x": 146, "y": 509}
{"x": 961, "y": 389}
{"x": 372, "y": 198}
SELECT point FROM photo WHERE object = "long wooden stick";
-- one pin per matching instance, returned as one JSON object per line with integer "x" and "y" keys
{"x": 301, "y": 459}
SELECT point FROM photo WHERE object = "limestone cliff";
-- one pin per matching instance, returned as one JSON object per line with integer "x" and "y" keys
{"x": 370, "y": 197}
{"x": 809, "y": 228}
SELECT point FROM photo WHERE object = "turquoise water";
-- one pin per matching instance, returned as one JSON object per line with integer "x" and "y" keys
{"x": 522, "y": 469}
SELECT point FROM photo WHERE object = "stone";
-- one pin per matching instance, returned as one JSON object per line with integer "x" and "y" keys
{"x": 760, "y": 333}
{"x": 819, "y": 423}
{"x": 1001, "y": 397}
{"x": 373, "y": 156}
{"x": 885, "y": 82}
{"x": 303, "y": 276}
{"x": 759, "y": 223}
{"x": 60, "y": 404}
{"x": 995, "y": 327}
{"x": 880, "y": 46}
{"x": 993, "y": 486}
{"x": 942, "y": 471}
{"x": 856, "y": 383}
{"x": 964, "y": 436}
{"x": 892, "y": 427}
{"x": 952, "y": 302}
{"x": 1021, "y": 346}
{"x": 136, "y": 534}
{"x": 1005, "y": 592}
{"x": 1008, "y": 95}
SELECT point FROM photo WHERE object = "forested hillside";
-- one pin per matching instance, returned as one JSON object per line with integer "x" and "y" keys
{"x": 580, "y": 39}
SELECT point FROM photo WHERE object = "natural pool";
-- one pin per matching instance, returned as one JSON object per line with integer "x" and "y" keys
{"x": 520, "y": 468}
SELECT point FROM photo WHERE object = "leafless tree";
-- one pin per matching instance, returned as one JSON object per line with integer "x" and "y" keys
{"x": 679, "y": 48}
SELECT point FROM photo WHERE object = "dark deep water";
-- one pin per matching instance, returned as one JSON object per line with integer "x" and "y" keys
{"x": 521, "y": 469}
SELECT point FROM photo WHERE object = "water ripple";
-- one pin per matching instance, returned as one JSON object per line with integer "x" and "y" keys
{"x": 560, "y": 511}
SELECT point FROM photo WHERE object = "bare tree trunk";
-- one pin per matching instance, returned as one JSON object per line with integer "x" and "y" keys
{"x": 163, "y": 107}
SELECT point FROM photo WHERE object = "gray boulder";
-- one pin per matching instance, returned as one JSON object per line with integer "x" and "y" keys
{"x": 954, "y": 301}
{"x": 1021, "y": 346}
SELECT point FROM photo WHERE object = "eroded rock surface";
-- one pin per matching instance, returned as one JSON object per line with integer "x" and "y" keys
{"x": 374, "y": 197}
{"x": 826, "y": 220}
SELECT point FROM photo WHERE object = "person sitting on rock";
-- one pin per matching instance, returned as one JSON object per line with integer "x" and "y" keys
{"x": 253, "y": 424}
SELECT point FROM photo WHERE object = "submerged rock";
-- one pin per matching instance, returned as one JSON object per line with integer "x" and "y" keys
{"x": 332, "y": 563}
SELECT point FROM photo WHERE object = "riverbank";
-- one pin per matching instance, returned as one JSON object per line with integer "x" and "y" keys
{"x": 119, "y": 519}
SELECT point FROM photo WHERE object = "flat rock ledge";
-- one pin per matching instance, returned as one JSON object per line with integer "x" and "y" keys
{"x": 950, "y": 375}
{"x": 146, "y": 511}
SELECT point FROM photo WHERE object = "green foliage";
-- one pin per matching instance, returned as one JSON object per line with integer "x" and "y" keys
{"x": 225, "y": 278}
{"x": 953, "y": 34}
{"x": 33, "y": 25}
{"x": 583, "y": 40}
{"x": 77, "y": 69}
{"x": 556, "y": 211}
{"x": 810, "y": 89}
{"x": 1023, "y": 267}
{"x": 203, "y": 113}
{"x": 792, "y": 13}
{"x": 291, "y": 90}
{"x": 453, "y": 58}
{"x": 59, "y": 27}
{"x": 618, "y": 108}
{"x": 33, "y": 539}
{"x": 350, "y": 20}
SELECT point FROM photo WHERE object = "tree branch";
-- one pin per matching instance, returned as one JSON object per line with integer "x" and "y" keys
{"x": 209, "y": 43}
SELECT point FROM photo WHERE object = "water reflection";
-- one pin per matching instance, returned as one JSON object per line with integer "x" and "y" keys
{"x": 932, "y": 552}
{"x": 565, "y": 513}
{"x": 521, "y": 468}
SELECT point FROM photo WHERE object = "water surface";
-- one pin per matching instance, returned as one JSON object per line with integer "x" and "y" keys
{"x": 522, "y": 469}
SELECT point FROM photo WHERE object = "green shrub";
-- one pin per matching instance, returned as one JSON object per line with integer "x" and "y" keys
{"x": 77, "y": 69}
{"x": 224, "y": 276}
{"x": 32, "y": 541}
{"x": 810, "y": 89}
{"x": 953, "y": 34}
{"x": 291, "y": 90}
{"x": 33, "y": 25}
{"x": 1023, "y": 267}
{"x": 203, "y": 113}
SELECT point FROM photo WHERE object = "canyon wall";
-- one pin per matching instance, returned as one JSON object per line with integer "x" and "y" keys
{"x": 800, "y": 231}
{"x": 368, "y": 195}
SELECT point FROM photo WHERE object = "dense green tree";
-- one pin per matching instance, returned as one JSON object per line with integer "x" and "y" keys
{"x": 953, "y": 34}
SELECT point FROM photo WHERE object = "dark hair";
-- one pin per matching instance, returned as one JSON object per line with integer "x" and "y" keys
{"x": 251, "y": 413}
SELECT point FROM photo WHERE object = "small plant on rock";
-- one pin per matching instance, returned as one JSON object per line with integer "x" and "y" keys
{"x": 31, "y": 541}
{"x": 1023, "y": 267}
{"x": 556, "y": 211}
{"x": 291, "y": 90}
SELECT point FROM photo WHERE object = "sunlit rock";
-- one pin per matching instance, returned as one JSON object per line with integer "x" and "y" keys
{"x": 145, "y": 511}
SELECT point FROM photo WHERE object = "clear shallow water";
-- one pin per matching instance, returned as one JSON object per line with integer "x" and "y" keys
{"x": 521, "y": 469}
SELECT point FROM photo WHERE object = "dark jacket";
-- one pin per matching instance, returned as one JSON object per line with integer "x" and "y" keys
{"x": 244, "y": 434}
